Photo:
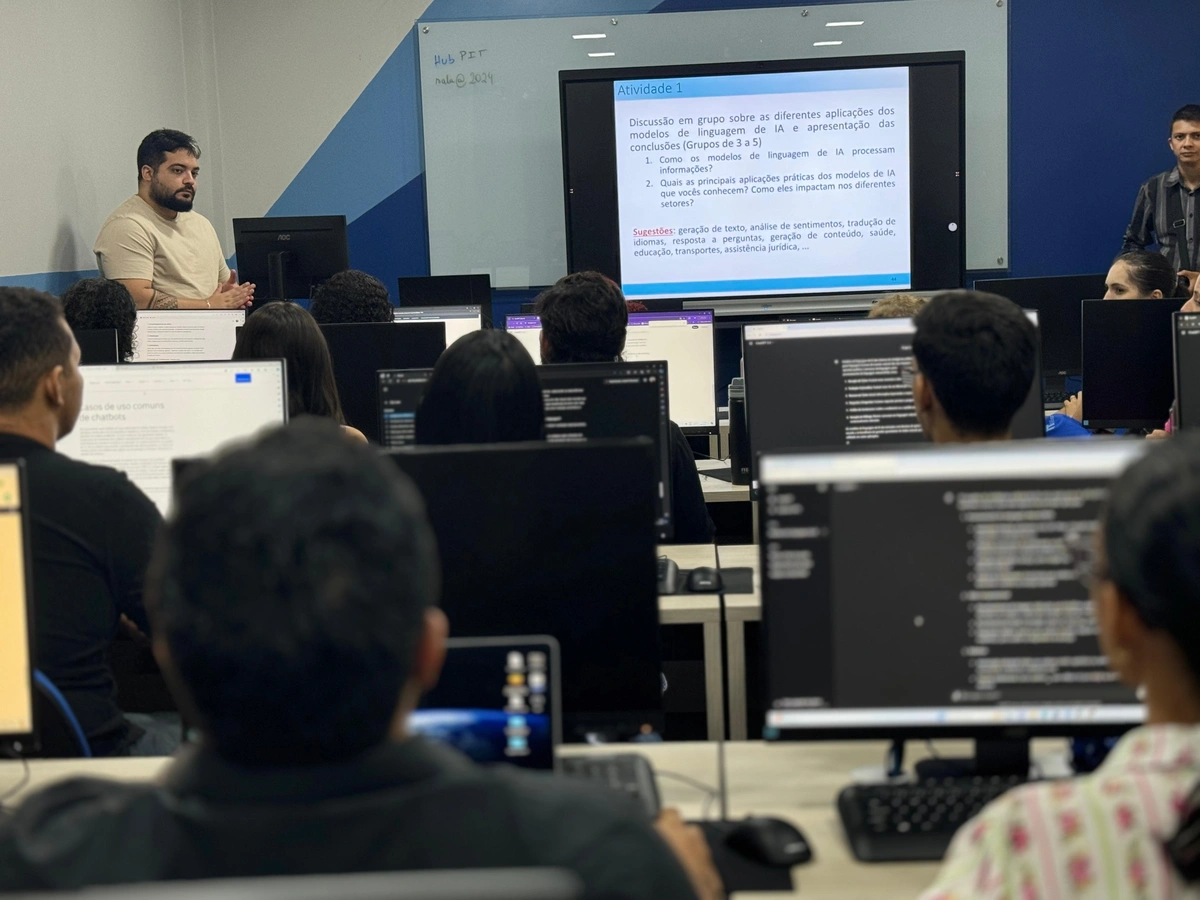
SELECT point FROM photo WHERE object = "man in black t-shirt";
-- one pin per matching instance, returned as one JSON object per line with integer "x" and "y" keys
{"x": 92, "y": 530}
{"x": 293, "y": 597}
{"x": 585, "y": 319}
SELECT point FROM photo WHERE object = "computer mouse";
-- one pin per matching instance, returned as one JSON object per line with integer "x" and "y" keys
{"x": 772, "y": 842}
{"x": 704, "y": 579}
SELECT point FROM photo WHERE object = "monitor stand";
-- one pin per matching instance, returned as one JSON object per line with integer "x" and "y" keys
{"x": 1003, "y": 756}
{"x": 276, "y": 266}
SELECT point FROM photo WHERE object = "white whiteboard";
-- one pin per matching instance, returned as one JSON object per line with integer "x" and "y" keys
{"x": 490, "y": 112}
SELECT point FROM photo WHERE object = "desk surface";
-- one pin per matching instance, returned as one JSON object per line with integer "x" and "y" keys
{"x": 716, "y": 490}
{"x": 797, "y": 782}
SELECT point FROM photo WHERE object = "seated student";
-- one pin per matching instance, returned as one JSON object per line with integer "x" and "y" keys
{"x": 1134, "y": 275}
{"x": 975, "y": 359}
{"x": 349, "y": 297}
{"x": 283, "y": 330}
{"x": 294, "y": 597}
{"x": 99, "y": 303}
{"x": 1103, "y": 835}
{"x": 91, "y": 530}
{"x": 584, "y": 319}
{"x": 484, "y": 390}
{"x": 897, "y": 306}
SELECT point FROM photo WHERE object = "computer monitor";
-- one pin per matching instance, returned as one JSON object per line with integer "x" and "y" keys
{"x": 826, "y": 385}
{"x": 447, "y": 290}
{"x": 685, "y": 339}
{"x": 137, "y": 418}
{"x": 287, "y": 256}
{"x": 98, "y": 346}
{"x": 16, "y": 612}
{"x": 1187, "y": 369}
{"x": 1128, "y": 378}
{"x": 360, "y": 352}
{"x": 1057, "y": 299}
{"x": 555, "y": 539}
{"x": 178, "y": 335}
{"x": 586, "y": 401}
{"x": 459, "y": 320}
{"x": 497, "y": 700}
{"x": 400, "y": 393}
{"x": 932, "y": 592}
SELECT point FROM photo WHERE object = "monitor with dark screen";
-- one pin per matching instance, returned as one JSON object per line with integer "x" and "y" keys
{"x": 970, "y": 570}
{"x": 1057, "y": 299}
{"x": 827, "y": 385}
{"x": 360, "y": 352}
{"x": 1187, "y": 369}
{"x": 287, "y": 256}
{"x": 448, "y": 290}
{"x": 98, "y": 346}
{"x": 685, "y": 339}
{"x": 586, "y": 401}
{"x": 400, "y": 393}
{"x": 497, "y": 700}
{"x": 555, "y": 539}
{"x": 1128, "y": 378}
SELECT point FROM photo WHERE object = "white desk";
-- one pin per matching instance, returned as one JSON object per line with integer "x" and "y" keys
{"x": 797, "y": 782}
{"x": 718, "y": 491}
{"x": 703, "y": 610}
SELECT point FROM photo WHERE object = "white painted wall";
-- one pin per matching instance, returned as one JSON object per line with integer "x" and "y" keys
{"x": 259, "y": 83}
{"x": 287, "y": 71}
{"x": 81, "y": 82}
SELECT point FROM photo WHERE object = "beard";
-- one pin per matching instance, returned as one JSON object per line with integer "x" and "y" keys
{"x": 165, "y": 198}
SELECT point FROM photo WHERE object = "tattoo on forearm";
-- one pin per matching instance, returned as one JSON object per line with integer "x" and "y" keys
{"x": 162, "y": 301}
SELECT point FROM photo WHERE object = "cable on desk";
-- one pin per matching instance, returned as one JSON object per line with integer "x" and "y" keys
{"x": 709, "y": 792}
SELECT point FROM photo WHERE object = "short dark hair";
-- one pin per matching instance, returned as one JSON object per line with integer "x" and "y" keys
{"x": 32, "y": 342}
{"x": 484, "y": 390}
{"x": 350, "y": 297}
{"x": 157, "y": 144}
{"x": 1189, "y": 112}
{"x": 1152, "y": 537}
{"x": 584, "y": 318}
{"x": 100, "y": 303}
{"x": 1151, "y": 272}
{"x": 290, "y": 585}
{"x": 979, "y": 352}
{"x": 284, "y": 330}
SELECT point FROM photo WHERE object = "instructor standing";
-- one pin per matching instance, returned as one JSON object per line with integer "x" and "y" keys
{"x": 168, "y": 256}
{"x": 1166, "y": 208}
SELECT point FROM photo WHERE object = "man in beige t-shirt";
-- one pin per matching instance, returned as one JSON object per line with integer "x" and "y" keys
{"x": 168, "y": 256}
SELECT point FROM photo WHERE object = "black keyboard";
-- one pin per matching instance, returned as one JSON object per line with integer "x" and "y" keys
{"x": 628, "y": 773}
{"x": 1054, "y": 399}
{"x": 904, "y": 822}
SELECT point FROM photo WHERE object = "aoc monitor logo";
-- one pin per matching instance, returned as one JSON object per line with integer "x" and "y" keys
{"x": 284, "y": 237}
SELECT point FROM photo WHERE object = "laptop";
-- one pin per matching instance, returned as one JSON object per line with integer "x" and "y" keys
{"x": 498, "y": 700}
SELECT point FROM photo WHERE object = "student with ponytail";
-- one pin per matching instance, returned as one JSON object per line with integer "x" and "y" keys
{"x": 1131, "y": 829}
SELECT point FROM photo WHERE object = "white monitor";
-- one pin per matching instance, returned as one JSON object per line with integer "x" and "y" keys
{"x": 175, "y": 335}
{"x": 137, "y": 418}
{"x": 683, "y": 338}
{"x": 459, "y": 320}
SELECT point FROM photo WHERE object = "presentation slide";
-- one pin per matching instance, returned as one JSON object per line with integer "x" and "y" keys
{"x": 772, "y": 183}
{"x": 137, "y": 418}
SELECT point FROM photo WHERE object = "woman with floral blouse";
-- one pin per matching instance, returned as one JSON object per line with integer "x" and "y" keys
{"x": 1117, "y": 833}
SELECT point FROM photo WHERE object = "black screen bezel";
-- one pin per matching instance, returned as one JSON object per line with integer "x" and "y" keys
{"x": 588, "y": 129}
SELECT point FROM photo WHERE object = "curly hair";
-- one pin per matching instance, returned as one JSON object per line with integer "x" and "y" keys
{"x": 584, "y": 319}
{"x": 100, "y": 303}
{"x": 350, "y": 297}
